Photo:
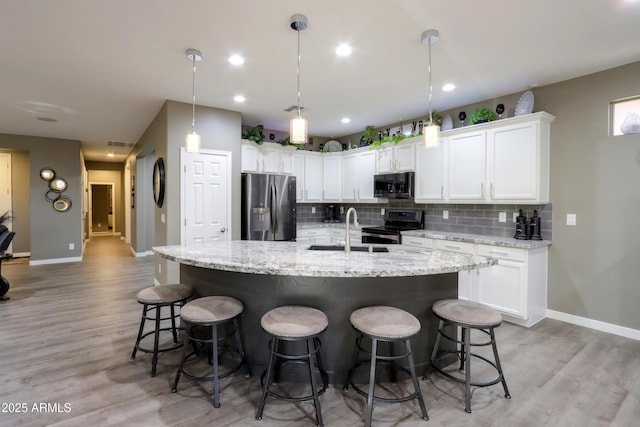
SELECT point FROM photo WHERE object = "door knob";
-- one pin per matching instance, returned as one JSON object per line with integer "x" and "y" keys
{"x": 222, "y": 230}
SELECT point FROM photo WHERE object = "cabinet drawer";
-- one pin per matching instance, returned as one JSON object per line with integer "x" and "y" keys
{"x": 449, "y": 245}
{"x": 502, "y": 252}
{"x": 420, "y": 242}
{"x": 311, "y": 232}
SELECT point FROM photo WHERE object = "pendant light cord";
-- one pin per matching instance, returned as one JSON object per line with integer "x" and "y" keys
{"x": 430, "y": 87}
{"x": 193, "y": 99}
{"x": 298, "y": 31}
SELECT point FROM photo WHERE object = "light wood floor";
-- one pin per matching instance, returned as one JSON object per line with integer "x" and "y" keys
{"x": 67, "y": 333}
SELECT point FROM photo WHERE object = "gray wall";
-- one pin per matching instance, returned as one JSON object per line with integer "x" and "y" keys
{"x": 51, "y": 232}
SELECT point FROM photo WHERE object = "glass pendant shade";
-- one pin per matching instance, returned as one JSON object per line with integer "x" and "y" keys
{"x": 193, "y": 142}
{"x": 431, "y": 135}
{"x": 298, "y": 131}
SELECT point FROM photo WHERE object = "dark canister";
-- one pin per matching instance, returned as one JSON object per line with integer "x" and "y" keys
{"x": 521, "y": 227}
{"x": 534, "y": 226}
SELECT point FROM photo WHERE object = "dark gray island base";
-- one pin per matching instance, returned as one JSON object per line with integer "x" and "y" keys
{"x": 336, "y": 296}
{"x": 265, "y": 275}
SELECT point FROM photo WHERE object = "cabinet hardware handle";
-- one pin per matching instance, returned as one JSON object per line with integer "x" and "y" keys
{"x": 442, "y": 191}
{"x": 452, "y": 247}
{"x": 482, "y": 190}
{"x": 492, "y": 191}
{"x": 499, "y": 253}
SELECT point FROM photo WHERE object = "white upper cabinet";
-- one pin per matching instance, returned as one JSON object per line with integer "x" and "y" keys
{"x": 395, "y": 158}
{"x": 467, "y": 166}
{"x": 307, "y": 166}
{"x": 431, "y": 169}
{"x": 266, "y": 158}
{"x": 358, "y": 169}
{"x": 332, "y": 177}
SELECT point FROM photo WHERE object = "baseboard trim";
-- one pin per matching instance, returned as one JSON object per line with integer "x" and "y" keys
{"x": 140, "y": 254}
{"x": 21, "y": 254}
{"x": 610, "y": 328}
{"x": 55, "y": 261}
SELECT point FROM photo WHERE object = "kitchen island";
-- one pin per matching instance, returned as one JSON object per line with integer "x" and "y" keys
{"x": 264, "y": 275}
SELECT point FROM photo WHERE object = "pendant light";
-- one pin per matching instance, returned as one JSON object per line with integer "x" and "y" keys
{"x": 298, "y": 127}
{"x": 193, "y": 141}
{"x": 431, "y": 130}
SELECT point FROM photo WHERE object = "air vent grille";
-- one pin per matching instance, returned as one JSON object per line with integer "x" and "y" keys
{"x": 121, "y": 144}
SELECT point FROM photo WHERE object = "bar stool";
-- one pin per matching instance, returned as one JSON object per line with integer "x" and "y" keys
{"x": 202, "y": 317}
{"x": 467, "y": 315}
{"x": 154, "y": 298}
{"x": 292, "y": 323}
{"x": 390, "y": 325}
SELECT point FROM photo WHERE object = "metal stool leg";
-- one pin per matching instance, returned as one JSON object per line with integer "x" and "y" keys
{"x": 156, "y": 338}
{"x": 216, "y": 380}
{"x": 135, "y": 347}
{"x": 412, "y": 369}
{"x": 174, "y": 330}
{"x": 355, "y": 361}
{"x": 392, "y": 364}
{"x": 243, "y": 356}
{"x": 314, "y": 386}
{"x": 267, "y": 378}
{"x": 185, "y": 350}
{"x": 467, "y": 368}
{"x": 464, "y": 343}
{"x": 498, "y": 365}
{"x": 372, "y": 381}
{"x": 434, "y": 352}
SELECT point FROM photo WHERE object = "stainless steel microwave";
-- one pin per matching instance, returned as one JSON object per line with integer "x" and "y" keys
{"x": 394, "y": 185}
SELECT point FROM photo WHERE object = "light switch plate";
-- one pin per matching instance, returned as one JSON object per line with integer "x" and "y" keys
{"x": 571, "y": 219}
{"x": 445, "y": 214}
{"x": 313, "y": 209}
{"x": 381, "y": 211}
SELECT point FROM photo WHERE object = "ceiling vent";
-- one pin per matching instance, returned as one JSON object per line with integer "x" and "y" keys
{"x": 121, "y": 144}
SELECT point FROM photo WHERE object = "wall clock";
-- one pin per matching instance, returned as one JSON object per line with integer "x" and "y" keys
{"x": 158, "y": 182}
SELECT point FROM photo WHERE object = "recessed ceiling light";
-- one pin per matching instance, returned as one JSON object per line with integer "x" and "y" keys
{"x": 343, "y": 50}
{"x": 345, "y": 120}
{"x": 110, "y": 155}
{"x": 448, "y": 87}
{"x": 239, "y": 98}
{"x": 236, "y": 60}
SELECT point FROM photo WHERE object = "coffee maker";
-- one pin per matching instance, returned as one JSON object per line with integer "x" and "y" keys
{"x": 521, "y": 227}
{"x": 331, "y": 213}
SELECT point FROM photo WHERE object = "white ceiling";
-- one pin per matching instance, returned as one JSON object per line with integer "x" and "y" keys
{"x": 103, "y": 68}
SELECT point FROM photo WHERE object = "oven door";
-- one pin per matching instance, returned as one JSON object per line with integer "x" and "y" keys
{"x": 383, "y": 238}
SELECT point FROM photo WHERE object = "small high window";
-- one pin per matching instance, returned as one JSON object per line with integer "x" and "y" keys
{"x": 624, "y": 116}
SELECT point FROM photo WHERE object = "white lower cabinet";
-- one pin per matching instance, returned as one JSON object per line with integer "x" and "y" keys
{"x": 516, "y": 286}
{"x": 313, "y": 235}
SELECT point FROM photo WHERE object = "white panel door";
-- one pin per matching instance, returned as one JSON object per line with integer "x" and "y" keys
{"x": 207, "y": 197}
{"x": 5, "y": 188}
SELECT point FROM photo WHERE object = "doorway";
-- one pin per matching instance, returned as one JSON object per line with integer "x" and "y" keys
{"x": 101, "y": 208}
{"x": 5, "y": 189}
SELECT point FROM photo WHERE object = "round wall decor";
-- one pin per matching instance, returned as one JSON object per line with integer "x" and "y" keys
{"x": 158, "y": 182}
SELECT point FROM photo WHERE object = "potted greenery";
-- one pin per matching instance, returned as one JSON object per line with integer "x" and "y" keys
{"x": 254, "y": 134}
{"x": 482, "y": 115}
{"x": 369, "y": 134}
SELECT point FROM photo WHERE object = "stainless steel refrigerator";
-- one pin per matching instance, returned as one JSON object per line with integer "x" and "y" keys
{"x": 268, "y": 207}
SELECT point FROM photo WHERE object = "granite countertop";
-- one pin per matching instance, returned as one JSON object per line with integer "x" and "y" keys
{"x": 481, "y": 239}
{"x": 295, "y": 259}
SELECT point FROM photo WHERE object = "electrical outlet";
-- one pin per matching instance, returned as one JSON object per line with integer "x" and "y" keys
{"x": 445, "y": 214}
{"x": 72, "y": 246}
{"x": 571, "y": 219}
{"x": 382, "y": 211}
{"x": 515, "y": 215}
{"x": 341, "y": 209}
{"x": 313, "y": 209}
{"x": 502, "y": 217}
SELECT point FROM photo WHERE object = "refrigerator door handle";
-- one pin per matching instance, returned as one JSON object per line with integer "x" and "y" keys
{"x": 274, "y": 209}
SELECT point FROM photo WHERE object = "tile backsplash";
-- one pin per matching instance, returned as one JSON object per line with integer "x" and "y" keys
{"x": 480, "y": 219}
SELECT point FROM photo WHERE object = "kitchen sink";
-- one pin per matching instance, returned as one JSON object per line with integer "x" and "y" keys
{"x": 353, "y": 248}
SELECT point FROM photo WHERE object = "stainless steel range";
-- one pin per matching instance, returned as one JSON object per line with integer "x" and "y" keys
{"x": 395, "y": 221}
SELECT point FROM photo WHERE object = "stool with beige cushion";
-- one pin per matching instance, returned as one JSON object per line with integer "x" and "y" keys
{"x": 153, "y": 299}
{"x": 391, "y": 325}
{"x": 203, "y": 317}
{"x": 467, "y": 315}
{"x": 293, "y": 324}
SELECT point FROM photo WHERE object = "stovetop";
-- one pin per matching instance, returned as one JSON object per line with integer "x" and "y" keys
{"x": 397, "y": 220}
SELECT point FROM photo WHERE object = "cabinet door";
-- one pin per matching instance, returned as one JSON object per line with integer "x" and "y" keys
{"x": 286, "y": 161}
{"x": 514, "y": 162}
{"x": 366, "y": 170}
{"x": 503, "y": 287}
{"x": 313, "y": 177}
{"x": 332, "y": 177}
{"x": 467, "y": 166}
{"x": 384, "y": 160}
{"x": 270, "y": 159}
{"x": 298, "y": 170}
{"x": 404, "y": 157}
{"x": 250, "y": 157}
{"x": 350, "y": 177}
{"x": 430, "y": 172}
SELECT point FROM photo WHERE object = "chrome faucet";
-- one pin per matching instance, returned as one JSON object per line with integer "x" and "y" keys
{"x": 356, "y": 225}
